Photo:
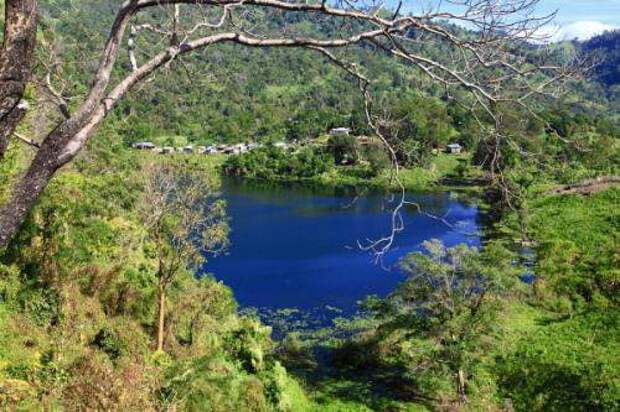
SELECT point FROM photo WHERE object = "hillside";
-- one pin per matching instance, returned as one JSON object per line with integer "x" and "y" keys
{"x": 230, "y": 94}
{"x": 606, "y": 51}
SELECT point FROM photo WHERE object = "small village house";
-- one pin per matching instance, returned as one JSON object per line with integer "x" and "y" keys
{"x": 143, "y": 146}
{"x": 454, "y": 148}
{"x": 340, "y": 131}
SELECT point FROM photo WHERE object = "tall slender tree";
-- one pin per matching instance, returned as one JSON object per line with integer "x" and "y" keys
{"x": 184, "y": 221}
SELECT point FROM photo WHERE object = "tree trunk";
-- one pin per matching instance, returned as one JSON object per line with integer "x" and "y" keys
{"x": 461, "y": 385}
{"x": 64, "y": 142}
{"x": 161, "y": 316}
{"x": 28, "y": 189}
{"x": 20, "y": 29}
{"x": 24, "y": 195}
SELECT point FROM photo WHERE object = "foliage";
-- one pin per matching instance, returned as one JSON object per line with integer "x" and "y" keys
{"x": 577, "y": 146}
{"x": 605, "y": 48}
{"x": 273, "y": 163}
{"x": 77, "y": 301}
{"x": 345, "y": 149}
{"x": 417, "y": 124}
{"x": 432, "y": 328}
{"x": 77, "y": 291}
{"x": 569, "y": 365}
{"x": 577, "y": 248}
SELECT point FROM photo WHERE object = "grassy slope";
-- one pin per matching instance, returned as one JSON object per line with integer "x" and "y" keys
{"x": 563, "y": 353}
{"x": 578, "y": 238}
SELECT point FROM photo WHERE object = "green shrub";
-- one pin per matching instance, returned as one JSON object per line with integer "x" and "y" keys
{"x": 569, "y": 365}
{"x": 577, "y": 246}
{"x": 273, "y": 163}
{"x": 107, "y": 341}
{"x": 344, "y": 148}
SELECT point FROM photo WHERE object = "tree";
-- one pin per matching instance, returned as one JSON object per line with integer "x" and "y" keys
{"x": 486, "y": 62}
{"x": 345, "y": 148}
{"x": 453, "y": 296}
{"x": 184, "y": 222}
{"x": 416, "y": 125}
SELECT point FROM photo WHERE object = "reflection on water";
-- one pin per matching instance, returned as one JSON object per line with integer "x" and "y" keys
{"x": 295, "y": 247}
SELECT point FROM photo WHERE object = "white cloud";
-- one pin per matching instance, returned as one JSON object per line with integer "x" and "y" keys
{"x": 580, "y": 30}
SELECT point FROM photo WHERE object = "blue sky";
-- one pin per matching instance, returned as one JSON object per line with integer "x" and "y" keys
{"x": 575, "y": 19}
{"x": 571, "y": 11}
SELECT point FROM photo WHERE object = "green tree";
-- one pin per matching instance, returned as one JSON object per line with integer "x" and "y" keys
{"x": 184, "y": 222}
{"x": 452, "y": 297}
{"x": 345, "y": 149}
{"x": 415, "y": 124}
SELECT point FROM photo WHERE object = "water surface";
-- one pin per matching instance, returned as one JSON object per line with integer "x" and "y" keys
{"x": 295, "y": 247}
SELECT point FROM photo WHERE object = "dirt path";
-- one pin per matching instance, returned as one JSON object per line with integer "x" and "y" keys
{"x": 586, "y": 187}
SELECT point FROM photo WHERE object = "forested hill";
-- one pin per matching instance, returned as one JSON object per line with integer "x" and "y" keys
{"x": 224, "y": 93}
{"x": 606, "y": 50}
{"x": 228, "y": 93}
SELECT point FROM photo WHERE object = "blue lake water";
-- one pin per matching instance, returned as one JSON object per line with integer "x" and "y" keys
{"x": 294, "y": 247}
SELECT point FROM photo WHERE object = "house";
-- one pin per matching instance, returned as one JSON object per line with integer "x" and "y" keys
{"x": 143, "y": 146}
{"x": 340, "y": 131}
{"x": 454, "y": 148}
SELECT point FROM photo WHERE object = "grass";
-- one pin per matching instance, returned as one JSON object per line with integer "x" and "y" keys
{"x": 416, "y": 178}
{"x": 577, "y": 241}
{"x": 442, "y": 166}
{"x": 341, "y": 395}
{"x": 562, "y": 352}
{"x": 586, "y": 219}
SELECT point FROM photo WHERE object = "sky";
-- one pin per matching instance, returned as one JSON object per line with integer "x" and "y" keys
{"x": 583, "y": 19}
{"x": 579, "y": 19}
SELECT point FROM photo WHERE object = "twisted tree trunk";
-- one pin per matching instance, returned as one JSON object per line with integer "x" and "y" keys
{"x": 63, "y": 143}
{"x": 20, "y": 29}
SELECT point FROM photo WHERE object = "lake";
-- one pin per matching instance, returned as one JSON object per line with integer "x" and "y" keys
{"x": 296, "y": 247}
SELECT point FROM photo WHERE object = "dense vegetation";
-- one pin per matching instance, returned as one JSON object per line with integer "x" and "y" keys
{"x": 81, "y": 286}
{"x": 78, "y": 304}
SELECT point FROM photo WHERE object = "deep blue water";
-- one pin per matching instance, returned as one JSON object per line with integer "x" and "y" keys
{"x": 295, "y": 247}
